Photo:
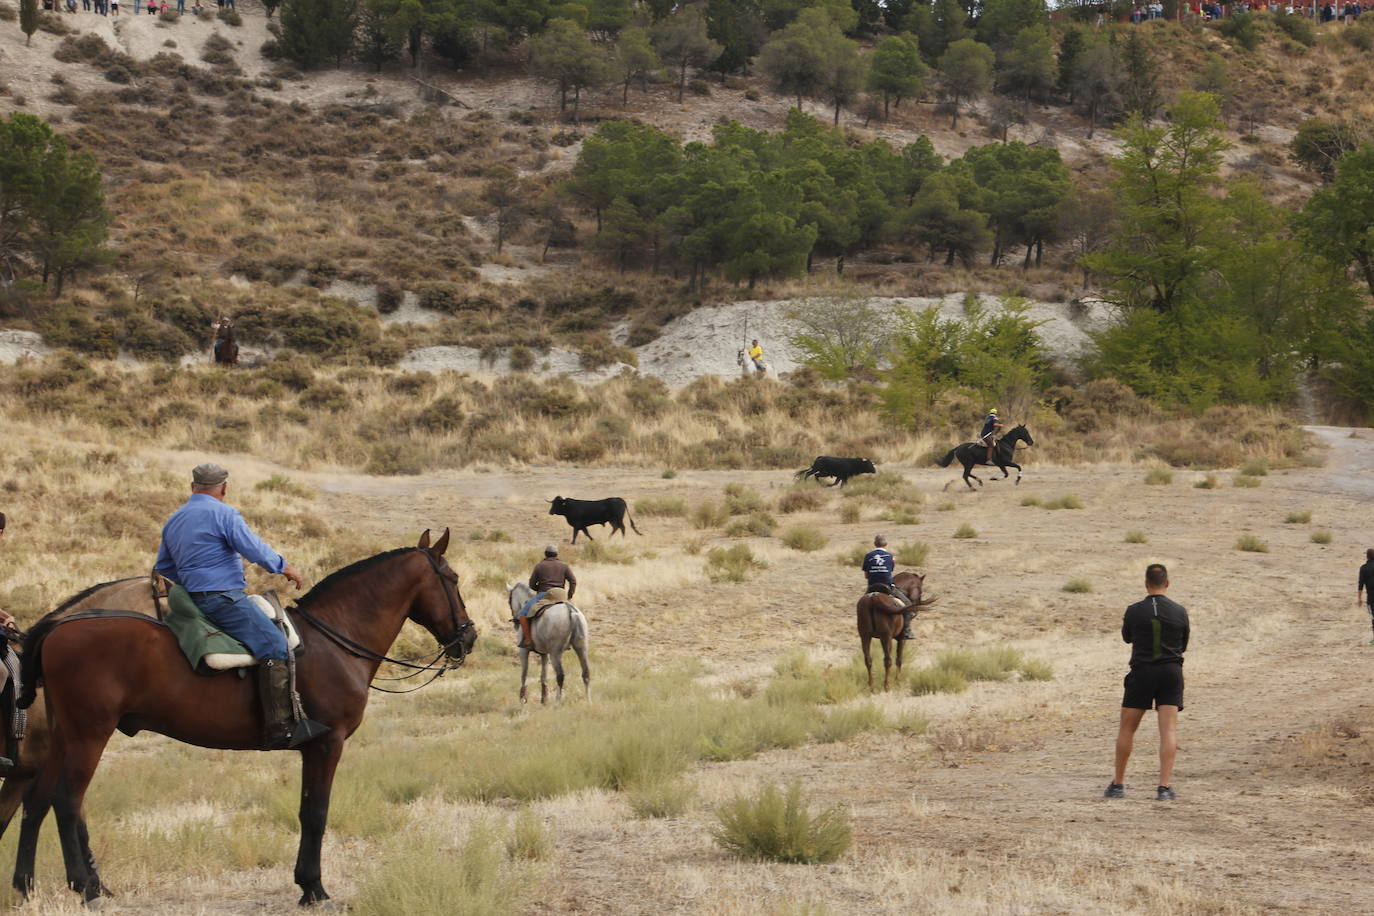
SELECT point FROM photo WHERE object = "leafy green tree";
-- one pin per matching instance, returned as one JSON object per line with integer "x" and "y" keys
{"x": 1097, "y": 75}
{"x": 839, "y": 335}
{"x": 1020, "y": 189}
{"x": 516, "y": 18}
{"x": 28, "y": 19}
{"x": 1000, "y": 21}
{"x": 792, "y": 62}
{"x": 563, "y": 55}
{"x": 1165, "y": 180}
{"x": 607, "y": 17}
{"x": 52, "y": 205}
{"x": 966, "y": 73}
{"x": 919, "y": 161}
{"x": 948, "y": 24}
{"x": 812, "y": 57}
{"x": 625, "y": 159}
{"x": 940, "y": 221}
{"x": 636, "y": 59}
{"x": 896, "y": 71}
{"x": 1086, "y": 221}
{"x": 1139, "y": 77}
{"x": 378, "y": 39}
{"x": 1338, "y": 220}
{"x": 1319, "y": 145}
{"x": 739, "y": 28}
{"x": 1071, "y": 47}
{"x": 681, "y": 41}
{"x": 315, "y": 32}
{"x": 1028, "y": 66}
{"x": 623, "y": 233}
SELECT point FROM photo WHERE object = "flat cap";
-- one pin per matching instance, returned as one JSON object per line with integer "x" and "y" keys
{"x": 209, "y": 475}
{"x": 550, "y": 551}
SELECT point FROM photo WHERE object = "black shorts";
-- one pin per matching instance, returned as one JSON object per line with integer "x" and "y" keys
{"x": 1149, "y": 686}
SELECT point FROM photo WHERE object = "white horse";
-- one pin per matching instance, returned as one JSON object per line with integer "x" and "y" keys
{"x": 560, "y": 626}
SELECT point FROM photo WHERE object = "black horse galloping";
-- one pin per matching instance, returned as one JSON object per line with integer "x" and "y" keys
{"x": 972, "y": 453}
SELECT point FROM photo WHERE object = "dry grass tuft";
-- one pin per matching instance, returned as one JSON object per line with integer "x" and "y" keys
{"x": 778, "y": 826}
{"x": 965, "y": 531}
{"x": 806, "y": 538}
{"x": 1159, "y": 477}
{"x": 1251, "y": 543}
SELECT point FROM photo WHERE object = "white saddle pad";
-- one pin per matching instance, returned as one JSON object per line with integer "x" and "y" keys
{"x": 222, "y": 661}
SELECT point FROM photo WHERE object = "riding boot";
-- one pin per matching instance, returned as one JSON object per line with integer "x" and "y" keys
{"x": 526, "y": 640}
{"x": 280, "y": 728}
{"x": 906, "y": 625}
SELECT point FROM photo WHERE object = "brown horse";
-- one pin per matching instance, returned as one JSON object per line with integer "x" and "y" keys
{"x": 105, "y": 672}
{"x": 135, "y": 594}
{"x": 880, "y": 617}
{"x": 226, "y": 347}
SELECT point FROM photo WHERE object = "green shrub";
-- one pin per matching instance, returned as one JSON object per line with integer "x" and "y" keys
{"x": 709, "y": 515}
{"x": 1030, "y": 500}
{"x": 993, "y": 664}
{"x": 1298, "y": 518}
{"x": 846, "y": 722}
{"x": 1078, "y": 586}
{"x": 778, "y": 827}
{"x": 965, "y": 531}
{"x": 853, "y": 557}
{"x": 668, "y": 474}
{"x": 661, "y": 506}
{"x": 936, "y": 680}
{"x": 1251, "y": 543}
{"x": 800, "y": 499}
{"x": 758, "y": 525}
{"x": 806, "y": 538}
{"x": 741, "y": 500}
{"x": 661, "y": 798}
{"x": 1255, "y": 468}
{"x": 1067, "y": 501}
{"x": 1033, "y": 669}
{"x": 1208, "y": 482}
{"x": 731, "y": 564}
{"x": 529, "y": 838}
{"x": 850, "y": 513}
{"x": 422, "y": 874}
{"x": 280, "y": 483}
{"x": 912, "y": 553}
{"x": 1135, "y": 537}
{"x": 1245, "y": 480}
{"x": 394, "y": 459}
{"x": 1321, "y": 537}
{"x": 229, "y": 17}
{"x": 900, "y": 516}
{"x": 1159, "y": 477}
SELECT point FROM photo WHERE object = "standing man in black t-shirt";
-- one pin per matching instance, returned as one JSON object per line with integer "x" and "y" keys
{"x": 1365, "y": 592}
{"x": 1157, "y": 630}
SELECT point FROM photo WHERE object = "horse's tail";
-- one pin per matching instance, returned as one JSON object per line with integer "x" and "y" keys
{"x": 31, "y": 661}
{"x": 579, "y": 625}
{"x": 944, "y": 462}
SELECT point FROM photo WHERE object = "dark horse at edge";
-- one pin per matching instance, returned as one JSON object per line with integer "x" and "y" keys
{"x": 226, "y": 347}
{"x": 972, "y": 453}
{"x": 107, "y": 672}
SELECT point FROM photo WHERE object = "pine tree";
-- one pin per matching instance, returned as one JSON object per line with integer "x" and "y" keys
{"x": 28, "y": 19}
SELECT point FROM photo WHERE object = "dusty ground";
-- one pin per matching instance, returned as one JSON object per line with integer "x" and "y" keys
{"x": 998, "y": 808}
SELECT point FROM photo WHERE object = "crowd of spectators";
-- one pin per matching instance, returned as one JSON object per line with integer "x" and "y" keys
{"x": 1328, "y": 11}
{"x": 151, "y": 7}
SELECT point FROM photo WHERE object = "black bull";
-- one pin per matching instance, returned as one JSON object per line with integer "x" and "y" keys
{"x": 583, "y": 512}
{"x": 840, "y": 469}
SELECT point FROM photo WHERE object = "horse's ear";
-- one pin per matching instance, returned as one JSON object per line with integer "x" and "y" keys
{"x": 424, "y": 540}
{"x": 440, "y": 545}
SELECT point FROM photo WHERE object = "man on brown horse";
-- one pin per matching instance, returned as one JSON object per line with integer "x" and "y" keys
{"x": 879, "y": 565}
{"x": 201, "y": 545}
{"x": 548, "y": 579}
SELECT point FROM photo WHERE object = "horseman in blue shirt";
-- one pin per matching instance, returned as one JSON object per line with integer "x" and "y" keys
{"x": 201, "y": 545}
{"x": 991, "y": 426}
{"x": 879, "y": 565}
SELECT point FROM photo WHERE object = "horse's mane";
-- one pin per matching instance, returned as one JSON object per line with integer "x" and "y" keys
{"x": 86, "y": 593}
{"x": 338, "y": 575}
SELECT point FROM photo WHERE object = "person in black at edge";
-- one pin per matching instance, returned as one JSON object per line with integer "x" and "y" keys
{"x": 1365, "y": 591}
{"x": 1157, "y": 630}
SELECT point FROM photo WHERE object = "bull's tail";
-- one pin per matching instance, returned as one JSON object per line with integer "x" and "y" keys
{"x": 631, "y": 520}
{"x": 944, "y": 462}
{"x": 31, "y": 662}
{"x": 802, "y": 474}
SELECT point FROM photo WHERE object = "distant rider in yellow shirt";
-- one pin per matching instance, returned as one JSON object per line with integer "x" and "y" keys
{"x": 756, "y": 354}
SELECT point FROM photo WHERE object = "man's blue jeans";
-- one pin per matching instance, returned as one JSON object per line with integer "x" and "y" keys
{"x": 525, "y": 611}
{"x": 236, "y": 615}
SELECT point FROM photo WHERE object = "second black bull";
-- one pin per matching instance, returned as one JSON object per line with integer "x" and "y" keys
{"x": 583, "y": 512}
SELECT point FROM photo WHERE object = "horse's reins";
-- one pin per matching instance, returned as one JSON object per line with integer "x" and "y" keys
{"x": 358, "y": 650}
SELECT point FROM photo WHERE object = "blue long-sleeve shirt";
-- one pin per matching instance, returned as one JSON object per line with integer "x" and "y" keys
{"x": 201, "y": 545}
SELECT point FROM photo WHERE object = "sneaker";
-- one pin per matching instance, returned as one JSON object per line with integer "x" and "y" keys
{"x": 1164, "y": 793}
{"x": 1115, "y": 790}
{"x": 1370, "y": 643}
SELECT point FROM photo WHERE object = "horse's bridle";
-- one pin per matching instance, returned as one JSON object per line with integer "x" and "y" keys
{"x": 357, "y": 650}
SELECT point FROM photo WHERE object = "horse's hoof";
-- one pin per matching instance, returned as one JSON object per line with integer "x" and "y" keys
{"x": 96, "y": 902}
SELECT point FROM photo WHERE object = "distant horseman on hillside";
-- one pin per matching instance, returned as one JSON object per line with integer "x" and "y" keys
{"x": 226, "y": 348}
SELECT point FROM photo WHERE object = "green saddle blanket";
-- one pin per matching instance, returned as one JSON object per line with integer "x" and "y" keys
{"x": 195, "y": 633}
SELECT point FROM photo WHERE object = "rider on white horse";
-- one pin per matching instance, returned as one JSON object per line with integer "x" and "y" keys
{"x": 548, "y": 580}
